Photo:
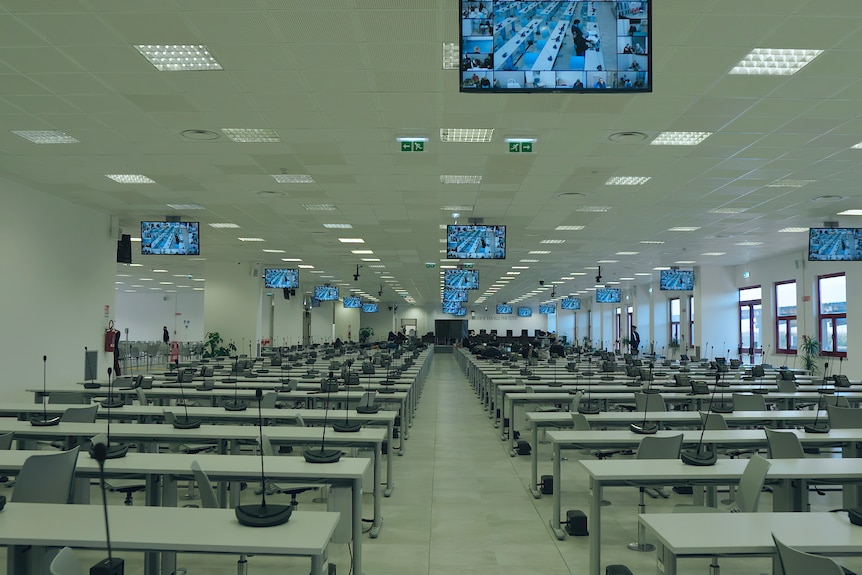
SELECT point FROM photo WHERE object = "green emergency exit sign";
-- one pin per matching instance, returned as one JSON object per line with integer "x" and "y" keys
{"x": 516, "y": 147}
{"x": 412, "y": 146}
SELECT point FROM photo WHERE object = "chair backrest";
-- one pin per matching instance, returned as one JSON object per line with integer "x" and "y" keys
{"x": 266, "y": 446}
{"x": 837, "y": 400}
{"x": 66, "y": 562}
{"x": 580, "y": 421}
{"x": 748, "y": 402}
{"x": 758, "y": 371}
{"x": 6, "y": 441}
{"x": 783, "y": 445}
{"x": 576, "y": 401}
{"x": 268, "y": 400}
{"x": 46, "y": 478}
{"x": 713, "y": 421}
{"x": 785, "y": 386}
{"x": 142, "y": 396}
{"x": 660, "y": 447}
{"x": 649, "y": 402}
{"x": 208, "y": 495}
{"x": 75, "y": 397}
{"x": 751, "y": 484}
{"x": 80, "y": 414}
{"x": 795, "y": 562}
{"x": 844, "y": 417}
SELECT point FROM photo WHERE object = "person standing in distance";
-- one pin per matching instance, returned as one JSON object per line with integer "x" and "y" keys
{"x": 166, "y": 336}
{"x": 635, "y": 340}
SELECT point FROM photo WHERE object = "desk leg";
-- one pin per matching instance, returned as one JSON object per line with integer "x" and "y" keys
{"x": 169, "y": 499}
{"x": 390, "y": 473}
{"x": 235, "y": 486}
{"x": 378, "y": 516}
{"x": 558, "y": 489}
{"x": 665, "y": 560}
{"x": 534, "y": 463}
{"x": 357, "y": 526}
{"x": 391, "y": 429}
{"x": 503, "y": 426}
{"x": 596, "y": 520}
{"x": 406, "y": 421}
{"x": 154, "y": 499}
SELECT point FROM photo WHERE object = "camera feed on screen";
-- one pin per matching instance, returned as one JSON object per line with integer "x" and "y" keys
{"x": 453, "y": 307}
{"x": 608, "y": 295}
{"x": 476, "y": 242}
{"x": 525, "y": 312}
{"x": 461, "y": 312}
{"x": 676, "y": 280}
{"x": 170, "y": 239}
{"x": 461, "y": 279}
{"x": 352, "y": 302}
{"x": 281, "y": 278}
{"x": 547, "y": 308}
{"x": 835, "y": 244}
{"x": 455, "y": 295}
{"x": 369, "y": 308}
{"x": 325, "y": 293}
{"x": 504, "y": 308}
{"x": 570, "y": 303}
{"x": 563, "y": 45}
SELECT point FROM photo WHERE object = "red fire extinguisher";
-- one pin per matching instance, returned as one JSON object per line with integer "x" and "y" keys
{"x": 110, "y": 337}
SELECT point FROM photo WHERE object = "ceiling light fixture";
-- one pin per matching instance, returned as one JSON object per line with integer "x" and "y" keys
{"x": 178, "y": 57}
{"x": 251, "y": 239}
{"x": 627, "y": 180}
{"x": 319, "y": 207}
{"x": 293, "y": 178}
{"x": 569, "y": 228}
{"x": 468, "y": 135}
{"x": 793, "y": 230}
{"x": 130, "y": 178}
{"x": 252, "y": 135}
{"x": 592, "y": 208}
{"x": 456, "y": 179}
{"x": 684, "y": 229}
{"x": 351, "y": 240}
{"x": 680, "y": 138}
{"x": 186, "y": 206}
{"x": 222, "y": 225}
{"x": 774, "y": 62}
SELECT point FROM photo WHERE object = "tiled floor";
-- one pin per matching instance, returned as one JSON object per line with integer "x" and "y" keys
{"x": 461, "y": 506}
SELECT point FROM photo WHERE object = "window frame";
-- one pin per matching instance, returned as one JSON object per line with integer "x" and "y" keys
{"x": 785, "y": 319}
{"x": 831, "y": 317}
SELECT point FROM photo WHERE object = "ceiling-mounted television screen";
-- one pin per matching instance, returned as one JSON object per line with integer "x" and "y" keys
{"x": 547, "y": 308}
{"x": 281, "y": 278}
{"x": 555, "y": 46}
{"x": 504, "y": 308}
{"x": 570, "y": 303}
{"x": 834, "y": 244}
{"x": 475, "y": 242}
{"x": 608, "y": 295}
{"x": 170, "y": 239}
{"x": 453, "y": 307}
{"x": 460, "y": 312}
{"x": 676, "y": 280}
{"x": 525, "y": 312}
{"x": 455, "y": 295}
{"x": 325, "y": 293}
{"x": 461, "y": 279}
{"x": 369, "y": 308}
{"x": 352, "y": 302}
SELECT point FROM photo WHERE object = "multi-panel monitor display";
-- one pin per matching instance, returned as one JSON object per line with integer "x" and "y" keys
{"x": 170, "y": 239}
{"x": 461, "y": 312}
{"x": 454, "y": 295}
{"x": 834, "y": 244}
{"x": 281, "y": 278}
{"x": 676, "y": 280}
{"x": 325, "y": 293}
{"x": 608, "y": 295}
{"x": 369, "y": 308}
{"x": 525, "y": 312}
{"x": 452, "y": 307}
{"x": 461, "y": 279}
{"x": 476, "y": 242}
{"x": 504, "y": 308}
{"x": 562, "y": 46}
{"x": 352, "y": 302}
{"x": 547, "y": 308}
{"x": 570, "y": 303}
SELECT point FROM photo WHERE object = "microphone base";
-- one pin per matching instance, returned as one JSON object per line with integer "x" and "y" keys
{"x": 41, "y": 422}
{"x": 722, "y": 408}
{"x": 826, "y": 391}
{"x": 322, "y": 455}
{"x": 235, "y": 405}
{"x": 589, "y": 408}
{"x": 115, "y": 451}
{"x": 262, "y": 515}
{"x": 817, "y": 428}
{"x": 649, "y": 391}
{"x": 92, "y": 385}
{"x": 207, "y": 387}
{"x": 112, "y": 403}
{"x": 109, "y": 566}
{"x": 346, "y": 427}
{"x": 632, "y": 384}
{"x": 368, "y": 409}
{"x": 186, "y": 423}
{"x": 229, "y": 380}
{"x": 698, "y": 458}
{"x": 760, "y": 391}
{"x": 645, "y": 429}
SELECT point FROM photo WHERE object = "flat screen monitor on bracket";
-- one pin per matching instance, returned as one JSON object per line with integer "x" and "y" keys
{"x": 352, "y": 302}
{"x": 525, "y": 312}
{"x": 504, "y": 308}
{"x": 461, "y": 279}
{"x": 325, "y": 293}
{"x": 608, "y": 295}
{"x": 170, "y": 239}
{"x": 280, "y": 278}
{"x": 834, "y": 244}
{"x": 570, "y": 303}
{"x": 474, "y": 242}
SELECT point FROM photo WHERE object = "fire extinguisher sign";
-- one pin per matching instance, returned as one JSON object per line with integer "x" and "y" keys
{"x": 107, "y": 311}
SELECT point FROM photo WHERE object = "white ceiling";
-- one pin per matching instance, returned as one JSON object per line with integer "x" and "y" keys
{"x": 339, "y": 80}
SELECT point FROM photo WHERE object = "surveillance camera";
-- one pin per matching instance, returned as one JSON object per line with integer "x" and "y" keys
{"x": 356, "y": 277}
{"x": 541, "y": 282}
{"x": 190, "y": 276}
{"x": 598, "y": 279}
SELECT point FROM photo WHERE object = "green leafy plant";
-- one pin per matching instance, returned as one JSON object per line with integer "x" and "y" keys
{"x": 213, "y": 345}
{"x": 810, "y": 349}
{"x": 365, "y": 333}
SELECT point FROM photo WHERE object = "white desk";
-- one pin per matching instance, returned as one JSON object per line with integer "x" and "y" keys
{"x": 747, "y": 534}
{"x": 548, "y": 55}
{"x": 162, "y": 529}
{"x": 516, "y": 45}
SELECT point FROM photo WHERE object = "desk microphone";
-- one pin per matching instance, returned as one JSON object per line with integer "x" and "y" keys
{"x": 723, "y": 406}
{"x": 346, "y": 426}
{"x": 590, "y": 407}
{"x": 323, "y": 455}
{"x": 109, "y": 566}
{"x": 119, "y": 449}
{"x": 702, "y": 457}
{"x": 262, "y": 515}
{"x": 235, "y": 404}
{"x": 817, "y": 427}
{"x": 186, "y": 423}
{"x": 110, "y": 401}
{"x": 649, "y": 388}
{"x": 44, "y": 421}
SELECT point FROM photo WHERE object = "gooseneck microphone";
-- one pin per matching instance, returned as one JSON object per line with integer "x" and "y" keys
{"x": 44, "y": 421}
{"x": 235, "y": 404}
{"x": 186, "y": 423}
{"x": 346, "y": 426}
{"x": 722, "y": 406}
{"x": 700, "y": 456}
{"x": 110, "y": 401}
{"x": 323, "y": 455}
{"x": 644, "y": 428}
{"x": 109, "y": 566}
{"x": 262, "y": 515}
{"x": 590, "y": 407}
{"x": 111, "y": 452}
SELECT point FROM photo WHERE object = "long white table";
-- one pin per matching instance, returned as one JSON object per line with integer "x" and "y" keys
{"x": 661, "y": 472}
{"x": 683, "y": 535}
{"x": 163, "y": 529}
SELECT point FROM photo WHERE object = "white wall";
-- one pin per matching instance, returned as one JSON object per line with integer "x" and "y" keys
{"x": 144, "y": 314}
{"x": 232, "y": 304}
{"x": 58, "y": 265}
{"x": 716, "y": 302}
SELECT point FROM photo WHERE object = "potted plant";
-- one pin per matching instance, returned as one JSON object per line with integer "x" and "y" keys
{"x": 810, "y": 349}
{"x": 213, "y": 345}
{"x": 365, "y": 333}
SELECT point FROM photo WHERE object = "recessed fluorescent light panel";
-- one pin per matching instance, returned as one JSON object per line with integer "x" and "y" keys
{"x": 684, "y": 229}
{"x": 568, "y": 228}
{"x": 469, "y": 135}
{"x": 451, "y": 56}
{"x": 185, "y": 206}
{"x": 789, "y": 183}
{"x": 680, "y": 138}
{"x": 251, "y": 239}
{"x": 713, "y": 253}
{"x": 793, "y": 230}
{"x": 293, "y": 178}
{"x": 273, "y": 251}
{"x": 362, "y": 252}
{"x": 223, "y": 225}
{"x": 748, "y": 244}
{"x": 45, "y": 136}
{"x": 774, "y": 62}
{"x": 627, "y": 180}
{"x": 853, "y": 212}
{"x": 252, "y": 135}
{"x": 455, "y": 179}
{"x": 627, "y": 253}
{"x": 538, "y": 252}
{"x": 727, "y": 210}
{"x": 319, "y": 207}
{"x": 130, "y": 178}
{"x": 592, "y": 208}
{"x": 652, "y": 242}
{"x": 457, "y": 208}
{"x": 178, "y": 57}
{"x": 338, "y": 226}
{"x": 552, "y": 242}
{"x": 305, "y": 266}
{"x": 351, "y": 240}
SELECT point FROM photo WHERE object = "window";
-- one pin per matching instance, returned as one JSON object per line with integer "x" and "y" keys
{"x": 674, "y": 319}
{"x": 691, "y": 320}
{"x": 785, "y": 317}
{"x": 617, "y": 327}
{"x": 832, "y": 314}
{"x": 750, "y": 321}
